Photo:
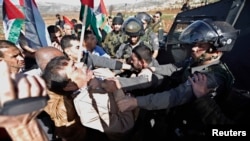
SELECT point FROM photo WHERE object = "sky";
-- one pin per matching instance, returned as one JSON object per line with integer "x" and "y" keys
{"x": 77, "y": 2}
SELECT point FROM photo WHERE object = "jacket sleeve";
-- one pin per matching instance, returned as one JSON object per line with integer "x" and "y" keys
{"x": 140, "y": 82}
{"x": 166, "y": 69}
{"x": 120, "y": 122}
{"x": 154, "y": 41}
{"x": 98, "y": 61}
{"x": 173, "y": 97}
{"x": 119, "y": 52}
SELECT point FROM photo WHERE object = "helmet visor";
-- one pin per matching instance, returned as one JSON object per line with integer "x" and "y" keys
{"x": 197, "y": 32}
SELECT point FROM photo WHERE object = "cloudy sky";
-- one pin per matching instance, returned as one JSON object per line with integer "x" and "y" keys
{"x": 77, "y": 2}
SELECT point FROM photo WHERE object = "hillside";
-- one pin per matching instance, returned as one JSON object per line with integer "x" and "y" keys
{"x": 169, "y": 9}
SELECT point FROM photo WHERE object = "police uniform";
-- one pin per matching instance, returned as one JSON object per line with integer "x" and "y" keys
{"x": 150, "y": 38}
{"x": 182, "y": 118}
{"x": 94, "y": 61}
{"x": 113, "y": 40}
{"x": 157, "y": 26}
{"x": 125, "y": 50}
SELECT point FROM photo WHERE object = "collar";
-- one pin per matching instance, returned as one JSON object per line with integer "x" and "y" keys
{"x": 203, "y": 68}
{"x": 75, "y": 93}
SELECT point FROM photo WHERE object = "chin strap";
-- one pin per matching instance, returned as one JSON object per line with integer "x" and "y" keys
{"x": 203, "y": 58}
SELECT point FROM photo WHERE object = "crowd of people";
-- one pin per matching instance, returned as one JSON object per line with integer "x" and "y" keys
{"x": 114, "y": 89}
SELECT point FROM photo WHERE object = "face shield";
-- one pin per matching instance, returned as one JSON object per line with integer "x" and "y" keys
{"x": 198, "y": 32}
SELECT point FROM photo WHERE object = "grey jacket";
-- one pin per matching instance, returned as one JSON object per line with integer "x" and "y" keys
{"x": 141, "y": 82}
{"x": 94, "y": 61}
{"x": 184, "y": 93}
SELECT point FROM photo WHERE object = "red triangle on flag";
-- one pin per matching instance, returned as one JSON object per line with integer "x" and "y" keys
{"x": 103, "y": 8}
{"x": 89, "y": 3}
{"x": 67, "y": 21}
{"x": 12, "y": 11}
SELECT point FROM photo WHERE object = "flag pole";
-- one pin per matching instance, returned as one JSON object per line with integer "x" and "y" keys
{"x": 82, "y": 33}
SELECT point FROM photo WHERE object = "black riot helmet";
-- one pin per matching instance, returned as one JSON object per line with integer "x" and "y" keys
{"x": 117, "y": 20}
{"x": 220, "y": 34}
{"x": 133, "y": 27}
{"x": 144, "y": 16}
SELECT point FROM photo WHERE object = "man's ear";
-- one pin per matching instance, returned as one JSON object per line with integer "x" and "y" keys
{"x": 144, "y": 63}
{"x": 66, "y": 50}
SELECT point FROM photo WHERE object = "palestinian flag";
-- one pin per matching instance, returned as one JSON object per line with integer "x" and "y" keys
{"x": 67, "y": 21}
{"x": 91, "y": 17}
{"x": 13, "y": 21}
{"x": 101, "y": 13}
{"x": 36, "y": 32}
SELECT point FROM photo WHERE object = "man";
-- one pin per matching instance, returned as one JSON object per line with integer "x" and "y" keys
{"x": 60, "y": 107}
{"x": 42, "y": 57}
{"x": 141, "y": 77}
{"x": 68, "y": 29}
{"x": 59, "y": 23}
{"x": 115, "y": 38}
{"x": 90, "y": 43}
{"x": 134, "y": 29}
{"x": 71, "y": 47}
{"x": 149, "y": 36}
{"x": 56, "y": 35}
{"x": 12, "y": 55}
{"x": 206, "y": 53}
{"x": 158, "y": 25}
{"x": 67, "y": 81}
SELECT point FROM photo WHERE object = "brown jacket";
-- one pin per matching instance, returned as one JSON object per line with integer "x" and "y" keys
{"x": 62, "y": 112}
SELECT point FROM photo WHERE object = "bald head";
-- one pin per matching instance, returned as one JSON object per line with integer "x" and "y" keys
{"x": 45, "y": 54}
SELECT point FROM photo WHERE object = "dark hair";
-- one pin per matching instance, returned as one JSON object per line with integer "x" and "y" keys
{"x": 5, "y": 44}
{"x": 143, "y": 52}
{"x": 78, "y": 27}
{"x": 65, "y": 41}
{"x": 158, "y": 12}
{"x": 55, "y": 80}
{"x": 74, "y": 20}
{"x": 53, "y": 29}
{"x": 87, "y": 33}
{"x": 119, "y": 14}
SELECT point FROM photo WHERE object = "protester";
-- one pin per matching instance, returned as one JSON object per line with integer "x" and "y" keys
{"x": 59, "y": 22}
{"x": 43, "y": 56}
{"x": 12, "y": 55}
{"x": 68, "y": 80}
{"x": 90, "y": 43}
{"x": 56, "y": 35}
{"x": 71, "y": 47}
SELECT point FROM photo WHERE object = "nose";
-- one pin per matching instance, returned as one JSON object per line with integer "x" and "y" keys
{"x": 195, "y": 48}
{"x": 19, "y": 57}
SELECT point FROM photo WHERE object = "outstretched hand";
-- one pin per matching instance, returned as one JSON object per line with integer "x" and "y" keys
{"x": 199, "y": 84}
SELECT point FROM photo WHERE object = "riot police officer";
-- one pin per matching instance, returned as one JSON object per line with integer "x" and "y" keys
{"x": 209, "y": 40}
{"x": 134, "y": 29}
{"x": 115, "y": 38}
{"x": 150, "y": 37}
